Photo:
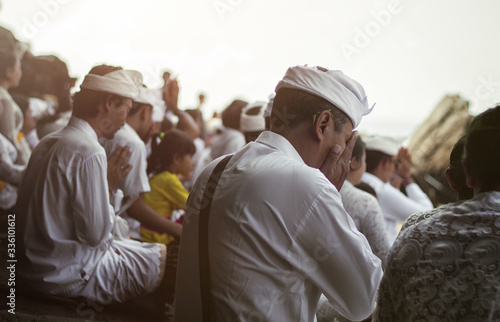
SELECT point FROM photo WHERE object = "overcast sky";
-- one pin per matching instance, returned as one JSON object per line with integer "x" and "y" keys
{"x": 407, "y": 54}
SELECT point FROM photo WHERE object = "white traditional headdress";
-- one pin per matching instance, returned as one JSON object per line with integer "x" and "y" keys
{"x": 124, "y": 83}
{"x": 331, "y": 85}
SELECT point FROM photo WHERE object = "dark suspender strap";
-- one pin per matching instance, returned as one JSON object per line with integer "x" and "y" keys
{"x": 206, "y": 203}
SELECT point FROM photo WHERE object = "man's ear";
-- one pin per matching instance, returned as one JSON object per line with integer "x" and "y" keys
{"x": 145, "y": 112}
{"x": 468, "y": 178}
{"x": 9, "y": 71}
{"x": 321, "y": 124}
{"x": 450, "y": 182}
{"x": 354, "y": 164}
{"x": 176, "y": 157}
{"x": 111, "y": 103}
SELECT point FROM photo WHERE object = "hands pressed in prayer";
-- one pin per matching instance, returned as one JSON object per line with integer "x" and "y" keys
{"x": 171, "y": 95}
{"x": 402, "y": 176}
{"x": 336, "y": 165}
{"x": 404, "y": 163}
{"x": 118, "y": 166}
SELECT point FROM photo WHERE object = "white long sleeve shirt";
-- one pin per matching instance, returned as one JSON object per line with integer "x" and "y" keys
{"x": 278, "y": 238}
{"x": 64, "y": 221}
{"x": 395, "y": 205}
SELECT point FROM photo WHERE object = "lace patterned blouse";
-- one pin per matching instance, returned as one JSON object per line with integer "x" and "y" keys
{"x": 445, "y": 267}
{"x": 367, "y": 215}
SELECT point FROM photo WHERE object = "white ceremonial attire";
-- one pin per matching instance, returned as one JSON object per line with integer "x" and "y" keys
{"x": 278, "y": 238}
{"x": 395, "y": 205}
{"x": 200, "y": 150}
{"x": 11, "y": 124}
{"x": 65, "y": 220}
{"x": 136, "y": 181}
{"x": 444, "y": 266}
{"x": 229, "y": 141}
{"x": 10, "y": 173}
{"x": 365, "y": 211}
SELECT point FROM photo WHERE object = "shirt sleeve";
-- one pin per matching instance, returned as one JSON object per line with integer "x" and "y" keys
{"x": 331, "y": 252}
{"x": 9, "y": 171}
{"x": 397, "y": 206}
{"x": 175, "y": 192}
{"x": 136, "y": 181}
{"x": 415, "y": 193}
{"x": 92, "y": 210}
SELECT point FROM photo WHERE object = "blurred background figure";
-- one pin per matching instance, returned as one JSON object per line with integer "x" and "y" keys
{"x": 172, "y": 157}
{"x": 253, "y": 121}
{"x": 457, "y": 180}
{"x": 446, "y": 267}
{"x": 385, "y": 160}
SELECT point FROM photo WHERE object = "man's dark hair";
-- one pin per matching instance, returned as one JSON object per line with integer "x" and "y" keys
{"x": 482, "y": 148}
{"x": 456, "y": 170}
{"x": 374, "y": 158}
{"x": 231, "y": 114}
{"x": 292, "y": 107}
{"x": 86, "y": 101}
{"x": 7, "y": 60}
{"x": 358, "y": 150}
{"x": 174, "y": 142}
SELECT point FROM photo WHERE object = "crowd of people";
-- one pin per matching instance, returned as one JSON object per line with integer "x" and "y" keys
{"x": 281, "y": 209}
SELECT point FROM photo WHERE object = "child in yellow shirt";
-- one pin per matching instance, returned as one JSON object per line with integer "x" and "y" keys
{"x": 172, "y": 157}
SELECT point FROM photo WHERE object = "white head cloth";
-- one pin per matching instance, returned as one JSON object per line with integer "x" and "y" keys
{"x": 124, "y": 83}
{"x": 383, "y": 144}
{"x": 331, "y": 85}
{"x": 253, "y": 123}
{"x": 150, "y": 97}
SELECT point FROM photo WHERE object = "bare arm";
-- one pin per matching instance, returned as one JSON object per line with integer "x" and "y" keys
{"x": 186, "y": 122}
{"x": 140, "y": 211}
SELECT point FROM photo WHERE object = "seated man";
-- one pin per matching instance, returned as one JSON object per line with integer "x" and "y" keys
{"x": 252, "y": 120}
{"x": 278, "y": 235}
{"x": 446, "y": 267}
{"x": 384, "y": 161}
{"x": 138, "y": 129}
{"x": 65, "y": 220}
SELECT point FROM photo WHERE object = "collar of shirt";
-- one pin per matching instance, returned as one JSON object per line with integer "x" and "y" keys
{"x": 83, "y": 125}
{"x": 280, "y": 143}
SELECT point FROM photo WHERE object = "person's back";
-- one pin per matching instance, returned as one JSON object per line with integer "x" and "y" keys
{"x": 231, "y": 139}
{"x": 445, "y": 267}
{"x": 447, "y": 264}
{"x": 50, "y": 175}
{"x": 278, "y": 234}
{"x": 66, "y": 223}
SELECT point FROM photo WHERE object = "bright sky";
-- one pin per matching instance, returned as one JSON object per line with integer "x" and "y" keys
{"x": 407, "y": 54}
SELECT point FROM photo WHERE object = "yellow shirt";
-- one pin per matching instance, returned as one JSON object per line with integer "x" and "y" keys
{"x": 167, "y": 194}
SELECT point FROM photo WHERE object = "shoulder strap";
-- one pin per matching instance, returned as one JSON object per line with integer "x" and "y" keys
{"x": 205, "y": 283}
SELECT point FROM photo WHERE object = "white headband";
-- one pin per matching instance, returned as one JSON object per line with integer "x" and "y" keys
{"x": 331, "y": 85}
{"x": 253, "y": 123}
{"x": 382, "y": 144}
{"x": 149, "y": 96}
{"x": 125, "y": 83}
